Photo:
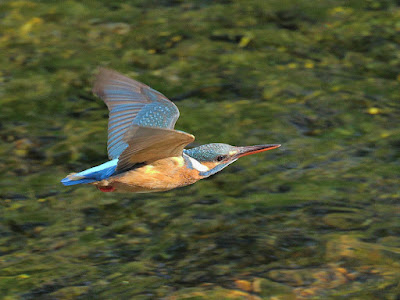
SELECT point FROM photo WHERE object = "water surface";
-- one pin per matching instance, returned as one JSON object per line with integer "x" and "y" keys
{"x": 316, "y": 219}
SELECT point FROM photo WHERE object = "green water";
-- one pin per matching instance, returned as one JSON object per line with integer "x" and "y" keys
{"x": 316, "y": 219}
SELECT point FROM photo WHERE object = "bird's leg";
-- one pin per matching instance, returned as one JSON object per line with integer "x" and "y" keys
{"x": 106, "y": 189}
{"x": 104, "y": 186}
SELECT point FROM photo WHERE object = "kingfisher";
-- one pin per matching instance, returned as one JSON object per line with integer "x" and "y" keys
{"x": 146, "y": 153}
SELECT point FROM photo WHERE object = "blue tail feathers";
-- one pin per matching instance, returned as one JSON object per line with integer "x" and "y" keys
{"x": 67, "y": 181}
{"x": 94, "y": 174}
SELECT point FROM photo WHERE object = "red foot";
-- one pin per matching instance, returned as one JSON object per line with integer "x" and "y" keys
{"x": 107, "y": 189}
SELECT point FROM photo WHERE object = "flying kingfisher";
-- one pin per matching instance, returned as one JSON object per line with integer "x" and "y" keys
{"x": 146, "y": 153}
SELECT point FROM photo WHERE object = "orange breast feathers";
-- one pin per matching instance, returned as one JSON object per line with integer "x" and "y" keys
{"x": 163, "y": 174}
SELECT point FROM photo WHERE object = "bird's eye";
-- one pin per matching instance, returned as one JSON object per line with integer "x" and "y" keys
{"x": 221, "y": 157}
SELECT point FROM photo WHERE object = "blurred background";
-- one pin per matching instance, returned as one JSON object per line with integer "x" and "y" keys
{"x": 316, "y": 219}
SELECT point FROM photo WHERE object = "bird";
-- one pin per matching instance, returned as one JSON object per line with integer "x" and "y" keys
{"x": 146, "y": 154}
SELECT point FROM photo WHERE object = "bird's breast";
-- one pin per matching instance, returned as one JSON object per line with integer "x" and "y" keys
{"x": 162, "y": 175}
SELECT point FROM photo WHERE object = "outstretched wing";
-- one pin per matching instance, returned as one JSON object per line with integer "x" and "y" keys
{"x": 131, "y": 103}
{"x": 147, "y": 144}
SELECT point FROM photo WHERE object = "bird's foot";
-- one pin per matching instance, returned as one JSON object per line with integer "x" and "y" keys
{"x": 106, "y": 189}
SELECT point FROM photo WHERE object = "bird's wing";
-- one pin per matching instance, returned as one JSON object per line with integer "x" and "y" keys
{"x": 148, "y": 144}
{"x": 131, "y": 103}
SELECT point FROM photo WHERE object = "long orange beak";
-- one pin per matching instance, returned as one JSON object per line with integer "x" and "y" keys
{"x": 248, "y": 150}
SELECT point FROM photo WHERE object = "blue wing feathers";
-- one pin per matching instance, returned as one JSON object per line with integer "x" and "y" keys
{"x": 120, "y": 92}
{"x": 114, "y": 139}
{"x": 114, "y": 123}
{"x": 157, "y": 114}
{"x": 131, "y": 103}
{"x": 118, "y": 149}
{"x": 118, "y": 127}
{"x": 152, "y": 94}
{"x": 124, "y": 114}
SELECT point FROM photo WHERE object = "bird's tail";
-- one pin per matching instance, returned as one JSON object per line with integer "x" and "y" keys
{"x": 73, "y": 179}
{"x": 92, "y": 175}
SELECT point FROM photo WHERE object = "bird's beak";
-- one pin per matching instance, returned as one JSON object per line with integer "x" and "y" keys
{"x": 247, "y": 150}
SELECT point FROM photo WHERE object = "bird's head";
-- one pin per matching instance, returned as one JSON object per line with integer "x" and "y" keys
{"x": 217, "y": 156}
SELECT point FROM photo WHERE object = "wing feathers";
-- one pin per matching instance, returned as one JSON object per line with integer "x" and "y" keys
{"x": 109, "y": 82}
{"x": 131, "y": 102}
{"x": 147, "y": 144}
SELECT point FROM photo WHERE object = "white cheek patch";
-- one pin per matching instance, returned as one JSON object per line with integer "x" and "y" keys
{"x": 197, "y": 165}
